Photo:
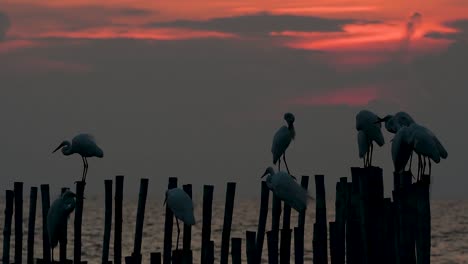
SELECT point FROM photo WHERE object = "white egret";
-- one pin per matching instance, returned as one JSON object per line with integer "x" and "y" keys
{"x": 427, "y": 146}
{"x": 394, "y": 122}
{"x": 57, "y": 217}
{"x": 182, "y": 206}
{"x": 83, "y": 144}
{"x": 282, "y": 139}
{"x": 286, "y": 188}
{"x": 369, "y": 131}
{"x": 402, "y": 149}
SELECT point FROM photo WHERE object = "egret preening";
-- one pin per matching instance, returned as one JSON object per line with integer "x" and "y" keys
{"x": 83, "y": 144}
{"x": 286, "y": 188}
{"x": 394, "y": 122}
{"x": 182, "y": 206}
{"x": 369, "y": 131}
{"x": 402, "y": 149}
{"x": 282, "y": 139}
{"x": 57, "y": 217}
{"x": 427, "y": 146}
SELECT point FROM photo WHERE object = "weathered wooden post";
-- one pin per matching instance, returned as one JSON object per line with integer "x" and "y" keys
{"x": 236, "y": 250}
{"x": 341, "y": 204}
{"x": 136, "y": 255}
{"x": 272, "y": 239}
{"x": 354, "y": 248}
{"x": 275, "y": 222}
{"x": 18, "y": 190}
{"x": 31, "y": 224}
{"x": 388, "y": 233}
{"x": 423, "y": 224}
{"x": 187, "y": 239}
{"x": 228, "y": 210}
{"x": 262, "y": 218}
{"x": 319, "y": 242}
{"x": 80, "y": 185}
{"x": 155, "y": 258}
{"x": 107, "y": 221}
{"x": 285, "y": 242}
{"x": 118, "y": 219}
{"x": 206, "y": 227}
{"x": 168, "y": 225}
{"x": 45, "y": 235}
{"x": 250, "y": 247}
{"x": 9, "y": 199}
{"x": 299, "y": 231}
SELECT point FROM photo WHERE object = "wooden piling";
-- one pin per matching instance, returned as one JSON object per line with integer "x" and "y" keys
{"x": 275, "y": 213}
{"x": 118, "y": 219}
{"x": 80, "y": 185}
{"x": 140, "y": 220}
{"x": 45, "y": 196}
{"x": 31, "y": 224}
{"x": 341, "y": 203}
{"x": 206, "y": 227}
{"x": 333, "y": 242}
{"x": 228, "y": 210}
{"x": 262, "y": 218}
{"x": 18, "y": 190}
{"x": 299, "y": 245}
{"x": 168, "y": 226}
{"x": 210, "y": 252}
{"x": 423, "y": 220}
{"x": 187, "y": 238}
{"x": 107, "y": 221}
{"x": 302, "y": 215}
{"x": 63, "y": 241}
{"x": 155, "y": 258}
{"x": 285, "y": 244}
{"x": 236, "y": 250}
{"x": 272, "y": 239}
{"x": 177, "y": 256}
{"x": 354, "y": 248}
{"x": 319, "y": 242}
{"x": 388, "y": 233}
{"x": 250, "y": 237}
{"x": 9, "y": 199}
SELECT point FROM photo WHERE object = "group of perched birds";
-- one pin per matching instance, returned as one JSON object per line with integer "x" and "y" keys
{"x": 409, "y": 137}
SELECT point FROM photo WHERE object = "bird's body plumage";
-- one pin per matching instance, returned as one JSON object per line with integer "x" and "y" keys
{"x": 425, "y": 143}
{"x": 282, "y": 139}
{"x": 181, "y": 205}
{"x": 401, "y": 149}
{"x": 57, "y": 217}
{"x": 287, "y": 189}
{"x": 394, "y": 122}
{"x": 369, "y": 131}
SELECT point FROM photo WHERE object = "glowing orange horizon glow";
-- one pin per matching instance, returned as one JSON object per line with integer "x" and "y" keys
{"x": 350, "y": 97}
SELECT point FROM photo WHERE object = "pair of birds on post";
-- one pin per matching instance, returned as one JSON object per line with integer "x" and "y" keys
{"x": 409, "y": 137}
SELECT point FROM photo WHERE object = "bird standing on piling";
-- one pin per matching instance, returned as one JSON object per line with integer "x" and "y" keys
{"x": 282, "y": 139}
{"x": 369, "y": 131}
{"x": 394, "y": 122}
{"x": 286, "y": 188}
{"x": 182, "y": 206}
{"x": 83, "y": 144}
{"x": 57, "y": 217}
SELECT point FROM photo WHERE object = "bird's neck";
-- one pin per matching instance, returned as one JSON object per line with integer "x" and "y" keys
{"x": 67, "y": 148}
{"x": 292, "y": 130}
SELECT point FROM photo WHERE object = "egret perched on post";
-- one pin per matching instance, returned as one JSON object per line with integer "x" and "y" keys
{"x": 427, "y": 146}
{"x": 402, "y": 149}
{"x": 57, "y": 217}
{"x": 369, "y": 131}
{"x": 83, "y": 144}
{"x": 286, "y": 188}
{"x": 182, "y": 206}
{"x": 282, "y": 139}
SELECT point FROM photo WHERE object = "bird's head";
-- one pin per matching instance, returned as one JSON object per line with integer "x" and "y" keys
{"x": 64, "y": 143}
{"x": 289, "y": 117}
{"x": 68, "y": 194}
{"x": 268, "y": 171}
{"x": 385, "y": 119}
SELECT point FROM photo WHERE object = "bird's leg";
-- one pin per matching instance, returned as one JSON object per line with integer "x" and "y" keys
{"x": 86, "y": 167}
{"x": 424, "y": 167}
{"x": 286, "y": 164}
{"x": 411, "y": 160}
{"x": 371, "y": 152}
{"x": 430, "y": 172}
{"x": 178, "y": 233}
{"x": 52, "y": 255}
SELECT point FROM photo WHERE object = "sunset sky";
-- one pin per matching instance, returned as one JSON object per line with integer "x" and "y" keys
{"x": 196, "y": 89}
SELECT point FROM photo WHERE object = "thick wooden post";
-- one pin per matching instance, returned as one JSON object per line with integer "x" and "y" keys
{"x": 341, "y": 204}
{"x": 272, "y": 239}
{"x": 45, "y": 235}
{"x": 388, "y": 233}
{"x": 299, "y": 231}
{"x": 265, "y": 193}
{"x": 107, "y": 221}
{"x": 320, "y": 227}
{"x": 80, "y": 185}
{"x": 354, "y": 248}
{"x": 333, "y": 242}
{"x": 236, "y": 250}
{"x": 168, "y": 225}
{"x": 228, "y": 210}
{"x": 18, "y": 190}
{"x": 250, "y": 247}
{"x": 155, "y": 258}
{"x": 118, "y": 219}
{"x": 423, "y": 224}
{"x": 275, "y": 222}
{"x": 136, "y": 256}
{"x": 285, "y": 242}
{"x": 187, "y": 239}
{"x": 9, "y": 199}
{"x": 64, "y": 239}
{"x": 31, "y": 224}
{"x": 206, "y": 227}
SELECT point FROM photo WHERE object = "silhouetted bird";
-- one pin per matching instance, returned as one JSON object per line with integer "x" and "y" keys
{"x": 182, "y": 206}
{"x": 282, "y": 139}
{"x": 57, "y": 217}
{"x": 83, "y": 144}
{"x": 402, "y": 149}
{"x": 286, "y": 188}
{"x": 394, "y": 122}
{"x": 369, "y": 131}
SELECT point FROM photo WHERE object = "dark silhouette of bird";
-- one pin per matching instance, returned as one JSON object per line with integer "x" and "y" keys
{"x": 83, "y": 144}
{"x": 182, "y": 206}
{"x": 282, "y": 139}
{"x": 369, "y": 131}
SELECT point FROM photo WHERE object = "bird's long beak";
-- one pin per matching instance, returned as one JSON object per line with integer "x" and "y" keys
{"x": 264, "y": 174}
{"x": 380, "y": 120}
{"x": 61, "y": 145}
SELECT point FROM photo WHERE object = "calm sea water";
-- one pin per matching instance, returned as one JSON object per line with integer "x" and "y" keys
{"x": 449, "y": 229}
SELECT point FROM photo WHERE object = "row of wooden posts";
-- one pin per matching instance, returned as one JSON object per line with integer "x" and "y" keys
{"x": 368, "y": 228}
